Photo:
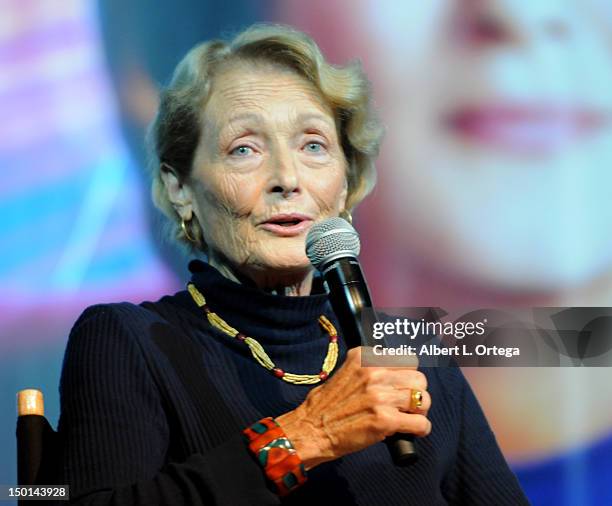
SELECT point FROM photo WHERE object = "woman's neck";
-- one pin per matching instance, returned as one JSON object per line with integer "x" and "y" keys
{"x": 288, "y": 283}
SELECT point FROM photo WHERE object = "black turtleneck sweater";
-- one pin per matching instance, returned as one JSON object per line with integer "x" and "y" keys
{"x": 154, "y": 400}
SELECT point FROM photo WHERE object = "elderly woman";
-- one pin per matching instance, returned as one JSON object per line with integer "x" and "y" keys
{"x": 237, "y": 390}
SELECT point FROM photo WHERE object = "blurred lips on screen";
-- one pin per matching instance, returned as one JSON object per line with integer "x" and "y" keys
{"x": 524, "y": 129}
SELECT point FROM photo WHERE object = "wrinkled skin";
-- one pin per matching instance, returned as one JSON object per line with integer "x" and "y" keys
{"x": 269, "y": 146}
{"x": 356, "y": 408}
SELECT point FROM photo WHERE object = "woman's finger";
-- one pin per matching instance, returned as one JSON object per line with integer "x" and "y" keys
{"x": 413, "y": 400}
{"x": 410, "y": 423}
{"x": 407, "y": 400}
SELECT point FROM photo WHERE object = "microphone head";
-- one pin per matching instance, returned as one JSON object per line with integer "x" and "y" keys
{"x": 331, "y": 239}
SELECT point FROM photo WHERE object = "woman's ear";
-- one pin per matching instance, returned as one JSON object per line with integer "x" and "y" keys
{"x": 179, "y": 193}
{"x": 344, "y": 195}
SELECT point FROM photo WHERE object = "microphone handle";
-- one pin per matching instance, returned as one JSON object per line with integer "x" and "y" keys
{"x": 351, "y": 301}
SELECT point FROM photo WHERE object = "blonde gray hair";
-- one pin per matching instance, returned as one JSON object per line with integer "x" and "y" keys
{"x": 175, "y": 132}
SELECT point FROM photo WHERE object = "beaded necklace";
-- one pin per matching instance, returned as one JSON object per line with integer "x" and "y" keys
{"x": 258, "y": 352}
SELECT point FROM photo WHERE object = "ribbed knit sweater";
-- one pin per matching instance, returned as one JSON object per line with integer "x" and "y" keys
{"x": 154, "y": 400}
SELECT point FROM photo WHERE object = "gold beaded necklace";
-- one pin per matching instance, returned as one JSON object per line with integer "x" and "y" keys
{"x": 260, "y": 354}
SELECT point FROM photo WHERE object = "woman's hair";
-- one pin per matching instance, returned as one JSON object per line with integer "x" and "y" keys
{"x": 175, "y": 133}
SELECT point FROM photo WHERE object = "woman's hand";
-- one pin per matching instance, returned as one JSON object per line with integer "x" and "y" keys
{"x": 357, "y": 407}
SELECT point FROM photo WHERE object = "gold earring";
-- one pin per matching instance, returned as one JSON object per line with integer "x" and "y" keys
{"x": 346, "y": 215}
{"x": 186, "y": 232}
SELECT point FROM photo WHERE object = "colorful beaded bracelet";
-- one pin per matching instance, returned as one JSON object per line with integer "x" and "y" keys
{"x": 276, "y": 454}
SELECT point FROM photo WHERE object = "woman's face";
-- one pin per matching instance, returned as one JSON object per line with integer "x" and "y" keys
{"x": 499, "y": 142}
{"x": 268, "y": 165}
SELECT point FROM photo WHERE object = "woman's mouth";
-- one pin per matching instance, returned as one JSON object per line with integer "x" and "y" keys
{"x": 526, "y": 130}
{"x": 287, "y": 225}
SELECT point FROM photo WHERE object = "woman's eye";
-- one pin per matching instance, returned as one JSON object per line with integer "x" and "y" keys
{"x": 241, "y": 151}
{"x": 314, "y": 147}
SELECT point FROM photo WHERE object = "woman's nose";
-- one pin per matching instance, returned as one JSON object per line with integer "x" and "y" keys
{"x": 284, "y": 175}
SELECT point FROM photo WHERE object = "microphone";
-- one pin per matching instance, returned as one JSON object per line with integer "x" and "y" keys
{"x": 332, "y": 246}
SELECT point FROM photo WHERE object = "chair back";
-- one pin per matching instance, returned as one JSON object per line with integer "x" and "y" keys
{"x": 37, "y": 442}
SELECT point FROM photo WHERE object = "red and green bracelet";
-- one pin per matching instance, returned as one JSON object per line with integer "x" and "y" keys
{"x": 276, "y": 454}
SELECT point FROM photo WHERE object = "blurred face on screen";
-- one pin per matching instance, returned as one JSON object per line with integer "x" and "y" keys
{"x": 499, "y": 129}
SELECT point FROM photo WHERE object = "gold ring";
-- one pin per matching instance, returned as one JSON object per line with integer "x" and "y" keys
{"x": 416, "y": 400}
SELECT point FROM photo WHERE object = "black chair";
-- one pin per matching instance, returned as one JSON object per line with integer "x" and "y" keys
{"x": 38, "y": 444}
